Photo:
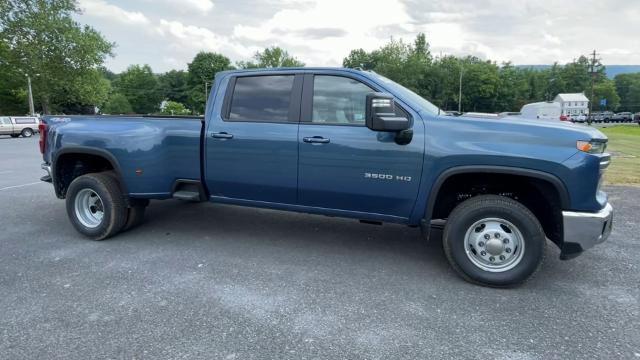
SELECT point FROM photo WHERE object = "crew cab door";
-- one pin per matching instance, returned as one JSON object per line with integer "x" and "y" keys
{"x": 343, "y": 165}
{"x": 251, "y": 145}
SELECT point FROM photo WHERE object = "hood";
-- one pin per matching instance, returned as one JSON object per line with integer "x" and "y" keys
{"x": 548, "y": 129}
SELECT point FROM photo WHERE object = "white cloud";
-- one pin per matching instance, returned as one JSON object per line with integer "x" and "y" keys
{"x": 190, "y": 39}
{"x": 294, "y": 28}
{"x": 322, "y": 32}
{"x": 102, "y": 9}
{"x": 192, "y": 5}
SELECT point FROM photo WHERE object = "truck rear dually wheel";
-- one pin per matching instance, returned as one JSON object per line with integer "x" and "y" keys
{"x": 95, "y": 206}
{"x": 494, "y": 240}
{"x": 135, "y": 213}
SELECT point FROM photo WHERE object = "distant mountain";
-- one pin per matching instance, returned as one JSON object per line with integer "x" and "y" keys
{"x": 611, "y": 70}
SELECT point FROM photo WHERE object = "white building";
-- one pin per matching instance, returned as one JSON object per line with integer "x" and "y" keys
{"x": 573, "y": 104}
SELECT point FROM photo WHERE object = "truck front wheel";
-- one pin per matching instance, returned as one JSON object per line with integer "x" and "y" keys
{"x": 494, "y": 240}
{"x": 95, "y": 206}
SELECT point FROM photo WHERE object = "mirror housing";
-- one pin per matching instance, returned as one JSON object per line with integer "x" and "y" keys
{"x": 381, "y": 115}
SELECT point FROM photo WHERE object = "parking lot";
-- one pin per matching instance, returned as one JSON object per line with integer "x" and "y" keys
{"x": 221, "y": 282}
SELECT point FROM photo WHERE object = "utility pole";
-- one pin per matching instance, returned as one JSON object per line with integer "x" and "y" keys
{"x": 460, "y": 92}
{"x": 31, "y": 109}
{"x": 592, "y": 70}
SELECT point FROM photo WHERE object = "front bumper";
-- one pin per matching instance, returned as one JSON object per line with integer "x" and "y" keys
{"x": 584, "y": 230}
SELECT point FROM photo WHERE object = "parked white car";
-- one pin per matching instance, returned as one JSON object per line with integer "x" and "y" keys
{"x": 579, "y": 118}
{"x": 24, "y": 126}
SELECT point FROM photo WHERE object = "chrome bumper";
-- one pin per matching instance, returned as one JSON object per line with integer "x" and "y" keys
{"x": 583, "y": 230}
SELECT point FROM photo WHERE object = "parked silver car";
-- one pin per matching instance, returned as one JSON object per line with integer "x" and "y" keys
{"x": 622, "y": 117}
{"x": 16, "y": 126}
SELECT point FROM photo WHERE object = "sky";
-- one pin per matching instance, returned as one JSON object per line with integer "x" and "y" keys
{"x": 166, "y": 34}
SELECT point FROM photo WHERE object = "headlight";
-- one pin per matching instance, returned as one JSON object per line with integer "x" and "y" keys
{"x": 591, "y": 147}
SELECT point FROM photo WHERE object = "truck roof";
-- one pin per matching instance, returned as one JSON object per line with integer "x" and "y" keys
{"x": 279, "y": 69}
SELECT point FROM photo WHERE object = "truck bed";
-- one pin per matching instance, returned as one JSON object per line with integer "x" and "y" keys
{"x": 149, "y": 152}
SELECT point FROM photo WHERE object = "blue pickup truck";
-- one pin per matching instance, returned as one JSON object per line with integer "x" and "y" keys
{"x": 349, "y": 143}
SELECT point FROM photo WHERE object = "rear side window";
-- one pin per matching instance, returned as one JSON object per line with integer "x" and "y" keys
{"x": 261, "y": 98}
{"x": 24, "y": 120}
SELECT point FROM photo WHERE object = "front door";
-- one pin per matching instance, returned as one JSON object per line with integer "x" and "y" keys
{"x": 251, "y": 140}
{"x": 343, "y": 164}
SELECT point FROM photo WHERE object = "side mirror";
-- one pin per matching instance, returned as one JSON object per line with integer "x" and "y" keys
{"x": 381, "y": 115}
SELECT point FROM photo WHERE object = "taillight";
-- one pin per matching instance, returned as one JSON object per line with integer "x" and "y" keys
{"x": 42, "y": 128}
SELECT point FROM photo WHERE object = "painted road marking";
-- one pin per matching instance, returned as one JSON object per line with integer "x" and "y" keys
{"x": 17, "y": 186}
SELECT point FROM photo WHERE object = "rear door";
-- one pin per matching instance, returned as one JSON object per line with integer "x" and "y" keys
{"x": 346, "y": 166}
{"x": 252, "y": 139}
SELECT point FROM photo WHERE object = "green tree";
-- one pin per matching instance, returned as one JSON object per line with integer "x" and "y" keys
{"x": 140, "y": 86}
{"x": 633, "y": 97}
{"x": 202, "y": 70}
{"x": 626, "y": 89}
{"x": 555, "y": 82}
{"x": 359, "y": 59}
{"x": 42, "y": 40}
{"x": 117, "y": 104}
{"x": 272, "y": 57}
{"x": 174, "y": 108}
{"x": 605, "y": 90}
{"x": 513, "y": 88}
{"x": 174, "y": 85}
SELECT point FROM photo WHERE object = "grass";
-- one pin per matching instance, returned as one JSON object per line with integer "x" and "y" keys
{"x": 624, "y": 147}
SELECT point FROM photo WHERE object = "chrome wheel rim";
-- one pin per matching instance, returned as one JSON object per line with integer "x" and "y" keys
{"x": 494, "y": 244}
{"x": 89, "y": 208}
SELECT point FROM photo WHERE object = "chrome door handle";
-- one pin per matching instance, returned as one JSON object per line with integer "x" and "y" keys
{"x": 316, "y": 140}
{"x": 221, "y": 135}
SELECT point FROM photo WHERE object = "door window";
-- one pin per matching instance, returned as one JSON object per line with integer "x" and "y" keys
{"x": 261, "y": 98}
{"x": 339, "y": 100}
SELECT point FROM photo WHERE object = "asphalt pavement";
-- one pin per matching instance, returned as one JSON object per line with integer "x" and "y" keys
{"x": 209, "y": 281}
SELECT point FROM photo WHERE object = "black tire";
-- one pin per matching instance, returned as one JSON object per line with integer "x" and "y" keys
{"x": 114, "y": 209}
{"x": 135, "y": 214}
{"x": 481, "y": 207}
{"x": 136, "y": 209}
{"x": 28, "y": 132}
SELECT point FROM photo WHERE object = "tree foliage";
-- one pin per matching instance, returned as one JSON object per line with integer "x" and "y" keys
{"x": 271, "y": 57}
{"x": 140, "y": 86}
{"x": 605, "y": 90}
{"x": 117, "y": 104}
{"x": 42, "y": 40}
{"x": 174, "y": 108}
{"x": 202, "y": 69}
{"x": 486, "y": 86}
{"x": 628, "y": 87}
{"x": 174, "y": 85}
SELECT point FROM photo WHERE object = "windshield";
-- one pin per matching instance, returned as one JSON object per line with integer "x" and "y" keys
{"x": 408, "y": 94}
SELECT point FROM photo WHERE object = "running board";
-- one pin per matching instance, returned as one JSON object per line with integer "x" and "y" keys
{"x": 187, "y": 195}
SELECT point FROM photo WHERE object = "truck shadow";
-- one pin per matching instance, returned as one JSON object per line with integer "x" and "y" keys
{"x": 285, "y": 235}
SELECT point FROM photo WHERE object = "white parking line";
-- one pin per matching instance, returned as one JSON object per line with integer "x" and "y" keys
{"x": 17, "y": 186}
